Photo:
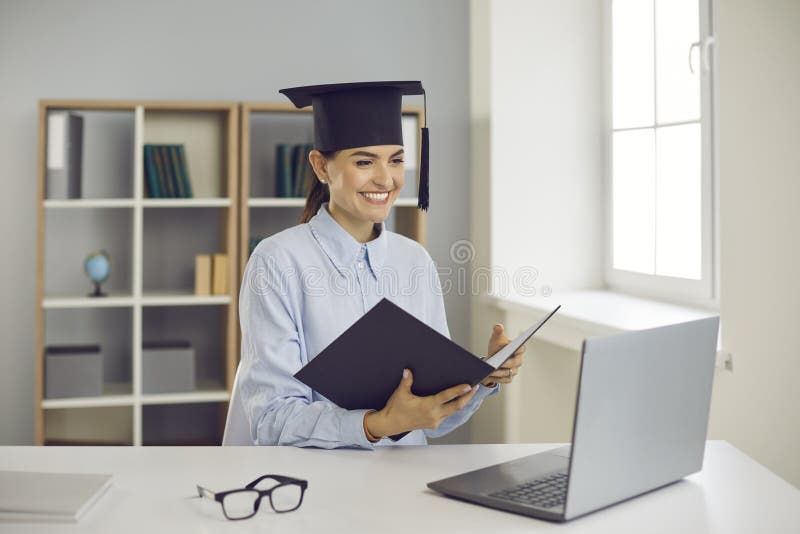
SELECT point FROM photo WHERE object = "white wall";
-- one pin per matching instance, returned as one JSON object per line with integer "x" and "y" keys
{"x": 757, "y": 407}
{"x": 547, "y": 140}
{"x": 489, "y": 424}
{"x": 537, "y": 108}
{"x": 208, "y": 50}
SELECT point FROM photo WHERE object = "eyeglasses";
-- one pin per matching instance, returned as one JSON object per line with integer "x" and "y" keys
{"x": 285, "y": 496}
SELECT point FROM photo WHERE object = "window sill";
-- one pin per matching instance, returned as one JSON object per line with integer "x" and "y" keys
{"x": 598, "y": 313}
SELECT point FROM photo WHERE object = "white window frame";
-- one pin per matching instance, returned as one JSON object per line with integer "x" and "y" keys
{"x": 703, "y": 292}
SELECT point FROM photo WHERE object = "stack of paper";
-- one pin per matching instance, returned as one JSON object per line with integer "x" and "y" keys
{"x": 30, "y": 496}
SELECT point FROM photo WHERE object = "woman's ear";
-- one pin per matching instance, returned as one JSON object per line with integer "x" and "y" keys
{"x": 320, "y": 165}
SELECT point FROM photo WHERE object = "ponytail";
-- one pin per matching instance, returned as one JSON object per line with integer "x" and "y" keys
{"x": 318, "y": 194}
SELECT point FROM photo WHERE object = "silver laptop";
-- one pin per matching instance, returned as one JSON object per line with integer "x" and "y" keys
{"x": 640, "y": 423}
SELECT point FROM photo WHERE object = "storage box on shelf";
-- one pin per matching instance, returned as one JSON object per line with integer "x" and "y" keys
{"x": 168, "y": 367}
{"x": 73, "y": 371}
{"x": 198, "y": 327}
{"x": 115, "y": 213}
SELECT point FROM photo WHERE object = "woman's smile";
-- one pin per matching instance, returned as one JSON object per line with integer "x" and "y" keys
{"x": 377, "y": 198}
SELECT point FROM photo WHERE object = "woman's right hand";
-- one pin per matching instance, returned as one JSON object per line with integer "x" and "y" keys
{"x": 405, "y": 411}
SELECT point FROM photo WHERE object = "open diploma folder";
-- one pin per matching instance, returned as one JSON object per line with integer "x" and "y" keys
{"x": 362, "y": 367}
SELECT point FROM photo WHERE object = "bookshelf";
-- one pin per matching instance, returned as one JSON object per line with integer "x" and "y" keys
{"x": 263, "y": 126}
{"x": 230, "y": 149}
{"x": 152, "y": 243}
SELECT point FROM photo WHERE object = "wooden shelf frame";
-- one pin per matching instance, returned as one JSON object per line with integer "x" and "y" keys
{"x": 136, "y": 298}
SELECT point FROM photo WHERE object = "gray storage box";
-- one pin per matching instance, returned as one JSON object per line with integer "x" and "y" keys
{"x": 73, "y": 371}
{"x": 167, "y": 367}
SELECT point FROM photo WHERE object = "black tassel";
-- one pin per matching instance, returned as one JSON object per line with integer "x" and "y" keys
{"x": 422, "y": 202}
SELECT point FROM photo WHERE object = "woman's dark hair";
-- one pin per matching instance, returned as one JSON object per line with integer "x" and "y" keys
{"x": 318, "y": 193}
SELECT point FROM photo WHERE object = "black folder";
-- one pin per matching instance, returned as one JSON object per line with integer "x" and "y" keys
{"x": 362, "y": 367}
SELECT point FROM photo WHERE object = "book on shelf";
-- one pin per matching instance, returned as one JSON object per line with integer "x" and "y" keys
{"x": 297, "y": 166}
{"x": 161, "y": 173}
{"x": 151, "y": 173}
{"x": 220, "y": 274}
{"x": 202, "y": 274}
{"x": 64, "y": 155}
{"x": 283, "y": 170}
{"x": 166, "y": 172}
{"x": 304, "y": 173}
{"x": 183, "y": 169}
{"x": 174, "y": 172}
{"x": 169, "y": 179}
{"x": 292, "y": 170}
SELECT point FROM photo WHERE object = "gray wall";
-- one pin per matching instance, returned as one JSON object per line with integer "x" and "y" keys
{"x": 237, "y": 50}
{"x": 547, "y": 137}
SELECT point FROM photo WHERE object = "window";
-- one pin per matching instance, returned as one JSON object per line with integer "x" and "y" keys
{"x": 661, "y": 194}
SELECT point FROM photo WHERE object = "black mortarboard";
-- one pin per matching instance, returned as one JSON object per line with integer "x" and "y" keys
{"x": 350, "y": 115}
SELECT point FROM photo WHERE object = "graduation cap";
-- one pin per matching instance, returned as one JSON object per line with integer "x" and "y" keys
{"x": 350, "y": 115}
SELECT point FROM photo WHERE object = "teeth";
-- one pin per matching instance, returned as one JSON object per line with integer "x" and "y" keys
{"x": 376, "y": 196}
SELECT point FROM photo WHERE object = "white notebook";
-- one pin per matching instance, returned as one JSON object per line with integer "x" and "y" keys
{"x": 31, "y": 496}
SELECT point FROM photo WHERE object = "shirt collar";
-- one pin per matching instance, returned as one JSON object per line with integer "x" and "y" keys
{"x": 341, "y": 247}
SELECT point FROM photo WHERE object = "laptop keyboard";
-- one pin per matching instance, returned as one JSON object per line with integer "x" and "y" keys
{"x": 546, "y": 492}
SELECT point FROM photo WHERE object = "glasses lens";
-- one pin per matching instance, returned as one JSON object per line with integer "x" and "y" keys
{"x": 286, "y": 498}
{"x": 240, "y": 504}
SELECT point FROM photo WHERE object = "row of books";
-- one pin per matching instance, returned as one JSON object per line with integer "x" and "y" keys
{"x": 166, "y": 173}
{"x": 211, "y": 274}
{"x": 293, "y": 172}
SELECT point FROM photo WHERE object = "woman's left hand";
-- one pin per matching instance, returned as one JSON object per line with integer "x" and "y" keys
{"x": 505, "y": 373}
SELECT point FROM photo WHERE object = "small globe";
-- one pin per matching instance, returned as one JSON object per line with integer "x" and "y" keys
{"x": 97, "y": 266}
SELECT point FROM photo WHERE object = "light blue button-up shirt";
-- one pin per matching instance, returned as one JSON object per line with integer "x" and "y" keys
{"x": 302, "y": 288}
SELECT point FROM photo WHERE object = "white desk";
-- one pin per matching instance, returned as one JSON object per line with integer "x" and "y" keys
{"x": 384, "y": 491}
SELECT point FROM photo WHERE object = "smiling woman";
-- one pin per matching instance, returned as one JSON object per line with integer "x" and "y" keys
{"x": 362, "y": 185}
{"x": 305, "y": 286}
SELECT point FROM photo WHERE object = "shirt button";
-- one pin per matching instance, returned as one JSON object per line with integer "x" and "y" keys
{"x": 361, "y": 265}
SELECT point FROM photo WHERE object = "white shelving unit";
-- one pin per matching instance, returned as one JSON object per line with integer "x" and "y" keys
{"x": 186, "y": 202}
{"x": 113, "y": 300}
{"x": 114, "y": 394}
{"x": 91, "y": 203}
{"x": 137, "y": 299}
{"x": 207, "y": 391}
